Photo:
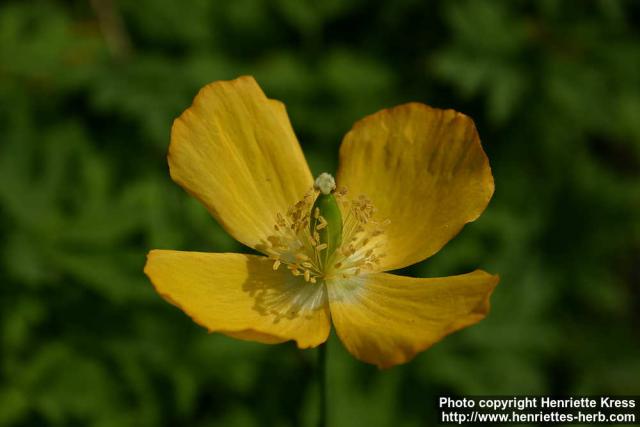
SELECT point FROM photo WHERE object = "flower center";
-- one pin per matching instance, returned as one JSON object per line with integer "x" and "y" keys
{"x": 326, "y": 235}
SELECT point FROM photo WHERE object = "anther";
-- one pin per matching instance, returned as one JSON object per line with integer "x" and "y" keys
{"x": 322, "y": 223}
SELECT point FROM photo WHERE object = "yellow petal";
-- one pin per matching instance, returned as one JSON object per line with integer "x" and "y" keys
{"x": 424, "y": 170}
{"x": 386, "y": 319}
{"x": 236, "y": 152}
{"x": 241, "y": 296}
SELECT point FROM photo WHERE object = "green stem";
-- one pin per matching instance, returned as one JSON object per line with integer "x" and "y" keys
{"x": 321, "y": 369}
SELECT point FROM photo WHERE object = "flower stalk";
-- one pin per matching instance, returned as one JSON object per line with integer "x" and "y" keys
{"x": 321, "y": 369}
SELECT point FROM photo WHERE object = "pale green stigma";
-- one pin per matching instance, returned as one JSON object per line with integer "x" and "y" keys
{"x": 325, "y": 183}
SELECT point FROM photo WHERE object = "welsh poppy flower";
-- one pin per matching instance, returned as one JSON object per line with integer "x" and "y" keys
{"x": 409, "y": 178}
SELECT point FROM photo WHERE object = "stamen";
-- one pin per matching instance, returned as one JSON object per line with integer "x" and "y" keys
{"x": 322, "y": 223}
{"x": 361, "y": 237}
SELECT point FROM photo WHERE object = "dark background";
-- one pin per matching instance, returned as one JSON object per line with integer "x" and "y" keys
{"x": 88, "y": 92}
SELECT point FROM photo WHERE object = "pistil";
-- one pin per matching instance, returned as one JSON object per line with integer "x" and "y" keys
{"x": 325, "y": 223}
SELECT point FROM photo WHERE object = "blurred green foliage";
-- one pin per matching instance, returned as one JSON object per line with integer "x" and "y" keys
{"x": 88, "y": 92}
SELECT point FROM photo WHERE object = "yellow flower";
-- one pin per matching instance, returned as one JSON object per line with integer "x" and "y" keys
{"x": 409, "y": 178}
